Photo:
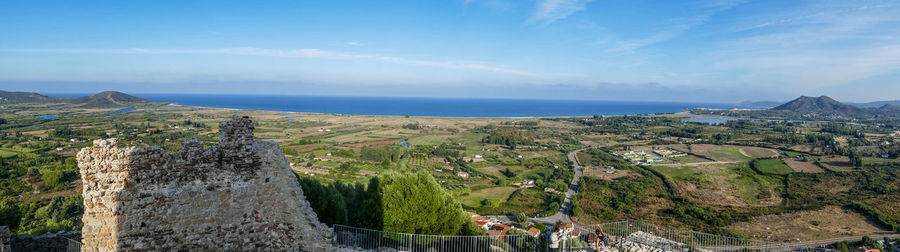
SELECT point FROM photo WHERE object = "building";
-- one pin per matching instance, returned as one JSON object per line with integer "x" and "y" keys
{"x": 462, "y": 174}
{"x": 481, "y": 221}
{"x": 566, "y": 227}
{"x": 498, "y": 230}
{"x": 449, "y": 168}
{"x": 533, "y": 232}
{"x": 669, "y": 153}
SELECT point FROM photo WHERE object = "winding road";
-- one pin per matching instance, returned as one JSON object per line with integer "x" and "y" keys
{"x": 565, "y": 211}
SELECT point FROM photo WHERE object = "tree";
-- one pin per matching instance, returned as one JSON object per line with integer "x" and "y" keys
{"x": 416, "y": 203}
{"x": 841, "y": 246}
{"x": 521, "y": 218}
{"x": 9, "y": 213}
{"x": 855, "y": 159}
{"x": 540, "y": 226}
{"x": 397, "y": 202}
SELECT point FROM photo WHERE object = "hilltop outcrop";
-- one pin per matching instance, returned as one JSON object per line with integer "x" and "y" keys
{"x": 239, "y": 194}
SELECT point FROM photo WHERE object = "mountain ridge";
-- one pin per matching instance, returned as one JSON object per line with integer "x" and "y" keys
{"x": 824, "y": 105}
{"x": 105, "y": 99}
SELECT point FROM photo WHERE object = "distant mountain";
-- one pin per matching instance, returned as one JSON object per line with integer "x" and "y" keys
{"x": 23, "y": 97}
{"x": 106, "y": 99}
{"x": 822, "y": 105}
{"x": 825, "y": 106}
{"x": 875, "y": 104}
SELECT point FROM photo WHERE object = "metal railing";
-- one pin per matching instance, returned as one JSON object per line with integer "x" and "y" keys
{"x": 362, "y": 239}
{"x": 73, "y": 245}
{"x": 628, "y": 235}
{"x": 631, "y": 233}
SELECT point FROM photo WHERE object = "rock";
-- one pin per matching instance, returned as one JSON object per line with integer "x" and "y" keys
{"x": 239, "y": 194}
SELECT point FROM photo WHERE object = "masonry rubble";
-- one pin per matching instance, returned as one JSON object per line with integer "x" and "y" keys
{"x": 239, "y": 194}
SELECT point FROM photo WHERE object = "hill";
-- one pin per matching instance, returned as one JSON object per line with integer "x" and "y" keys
{"x": 875, "y": 104}
{"x": 23, "y": 97}
{"x": 106, "y": 99}
{"x": 822, "y": 105}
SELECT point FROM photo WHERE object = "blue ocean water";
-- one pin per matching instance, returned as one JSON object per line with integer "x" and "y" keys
{"x": 441, "y": 107}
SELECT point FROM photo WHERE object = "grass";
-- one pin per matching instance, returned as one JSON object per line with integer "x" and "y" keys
{"x": 7, "y": 153}
{"x": 502, "y": 193}
{"x": 750, "y": 186}
{"x": 428, "y": 140}
{"x": 772, "y": 166}
{"x": 875, "y": 161}
{"x": 734, "y": 153}
{"x": 792, "y": 153}
{"x": 682, "y": 173}
{"x": 334, "y": 134}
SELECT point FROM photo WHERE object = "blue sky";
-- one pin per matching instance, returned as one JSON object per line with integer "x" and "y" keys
{"x": 695, "y": 50}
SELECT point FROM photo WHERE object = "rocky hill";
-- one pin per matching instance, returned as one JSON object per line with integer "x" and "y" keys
{"x": 23, "y": 97}
{"x": 106, "y": 99}
{"x": 822, "y": 105}
{"x": 825, "y": 106}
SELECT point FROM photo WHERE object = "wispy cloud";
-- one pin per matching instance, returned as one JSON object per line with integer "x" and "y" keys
{"x": 672, "y": 28}
{"x": 302, "y": 53}
{"x": 549, "y": 11}
{"x": 819, "y": 13}
{"x": 354, "y": 43}
{"x": 821, "y": 46}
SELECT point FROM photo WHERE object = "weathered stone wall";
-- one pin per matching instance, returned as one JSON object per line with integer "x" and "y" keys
{"x": 58, "y": 241}
{"x": 237, "y": 195}
{"x": 4, "y": 239}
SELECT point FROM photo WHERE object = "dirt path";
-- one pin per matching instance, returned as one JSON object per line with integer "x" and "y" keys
{"x": 746, "y": 153}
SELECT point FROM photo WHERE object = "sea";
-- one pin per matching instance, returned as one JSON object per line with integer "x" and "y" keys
{"x": 437, "y": 107}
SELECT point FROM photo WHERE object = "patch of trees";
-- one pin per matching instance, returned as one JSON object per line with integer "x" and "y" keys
{"x": 193, "y": 124}
{"x": 508, "y": 136}
{"x": 448, "y": 150}
{"x": 840, "y": 129}
{"x": 347, "y": 153}
{"x": 390, "y": 152}
{"x": 66, "y": 132}
{"x": 396, "y": 202}
{"x": 412, "y": 126}
{"x": 807, "y": 191}
{"x": 616, "y": 200}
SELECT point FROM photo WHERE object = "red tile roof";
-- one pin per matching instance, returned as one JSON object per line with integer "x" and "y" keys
{"x": 533, "y": 231}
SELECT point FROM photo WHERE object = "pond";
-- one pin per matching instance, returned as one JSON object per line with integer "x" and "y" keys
{"x": 47, "y": 116}
{"x": 122, "y": 111}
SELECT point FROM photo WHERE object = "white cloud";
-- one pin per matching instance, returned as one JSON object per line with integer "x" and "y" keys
{"x": 822, "y": 46}
{"x": 354, "y": 43}
{"x": 303, "y": 53}
{"x": 549, "y": 11}
{"x": 672, "y": 28}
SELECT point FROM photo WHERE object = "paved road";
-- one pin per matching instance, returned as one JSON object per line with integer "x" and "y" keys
{"x": 565, "y": 211}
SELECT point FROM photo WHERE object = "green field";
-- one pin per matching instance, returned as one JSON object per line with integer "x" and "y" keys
{"x": 682, "y": 173}
{"x": 7, "y": 153}
{"x": 734, "y": 153}
{"x": 428, "y": 140}
{"x": 474, "y": 199}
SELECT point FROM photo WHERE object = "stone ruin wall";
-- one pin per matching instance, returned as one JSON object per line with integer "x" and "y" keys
{"x": 237, "y": 195}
